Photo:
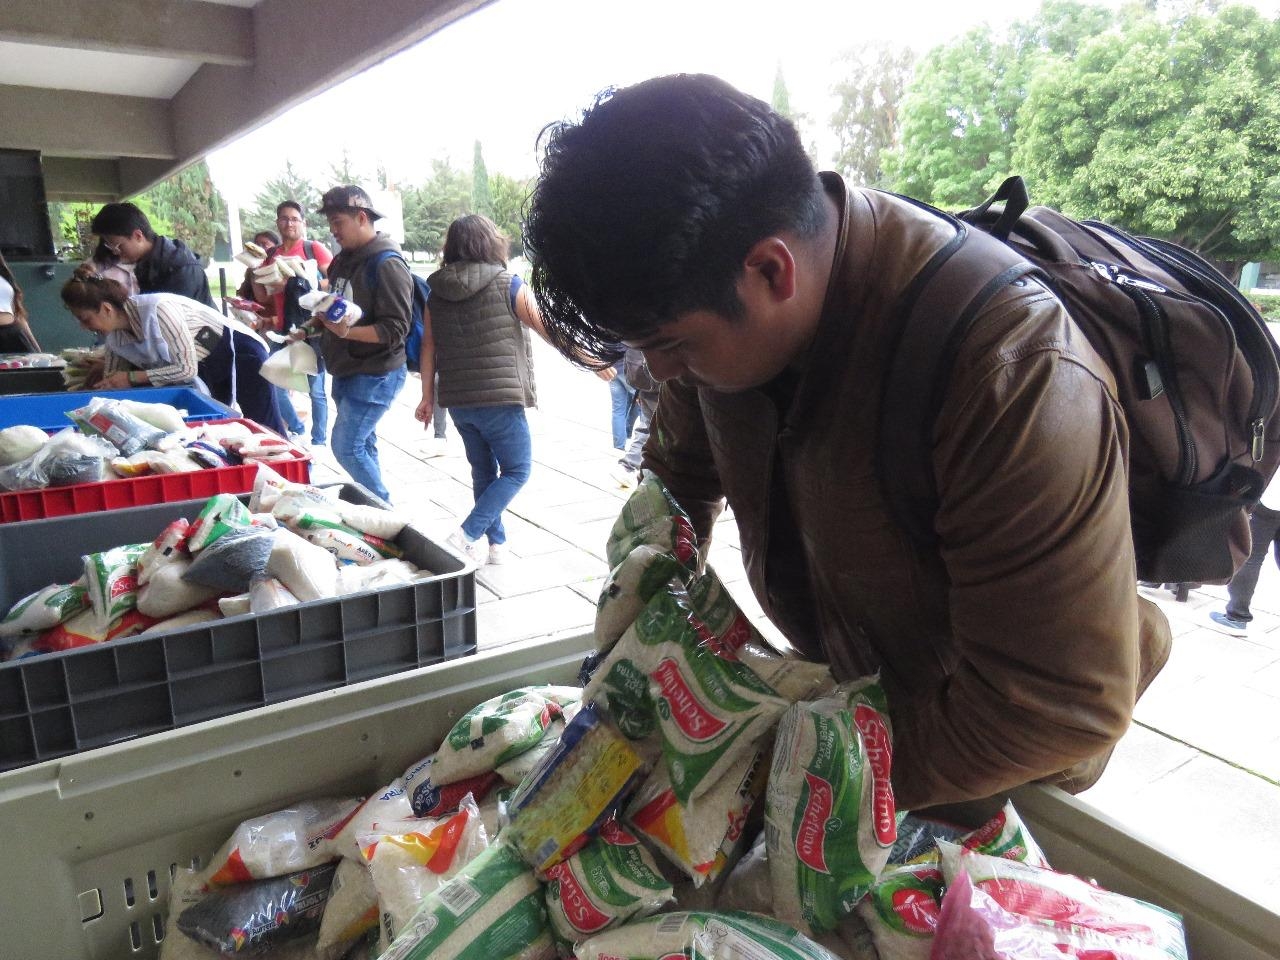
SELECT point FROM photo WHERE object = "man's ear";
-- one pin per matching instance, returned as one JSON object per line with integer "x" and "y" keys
{"x": 771, "y": 262}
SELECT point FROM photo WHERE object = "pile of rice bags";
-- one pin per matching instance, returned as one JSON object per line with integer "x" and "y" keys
{"x": 291, "y": 543}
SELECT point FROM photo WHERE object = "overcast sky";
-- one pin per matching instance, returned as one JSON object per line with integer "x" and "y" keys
{"x": 501, "y": 74}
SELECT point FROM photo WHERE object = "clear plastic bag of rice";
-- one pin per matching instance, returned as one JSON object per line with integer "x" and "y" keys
{"x": 281, "y": 842}
{"x": 609, "y": 881}
{"x": 651, "y": 517}
{"x": 830, "y": 817}
{"x": 492, "y": 909}
{"x": 497, "y": 730}
{"x": 408, "y": 859}
{"x": 706, "y": 936}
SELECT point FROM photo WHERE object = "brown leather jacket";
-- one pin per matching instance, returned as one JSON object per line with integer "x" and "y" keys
{"x": 1016, "y": 649}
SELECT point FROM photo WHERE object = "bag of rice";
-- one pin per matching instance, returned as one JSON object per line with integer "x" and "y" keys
{"x": 85, "y": 629}
{"x": 168, "y": 592}
{"x": 234, "y": 606}
{"x": 107, "y": 418}
{"x": 651, "y": 517}
{"x": 830, "y": 819}
{"x": 267, "y": 594}
{"x": 350, "y": 913}
{"x": 901, "y": 911}
{"x": 234, "y": 561}
{"x": 579, "y": 785}
{"x": 492, "y": 909}
{"x": 307, "y": 571}
{"x": 162, "y": 416}
{"x": 45, "y": 609}
{"x": 705, "y": 936}
{"x": 312, "y": 524}
{"x": 493, "y": 732}
{"x": 111, "y": 578}
{"x": 1004, "y": 835}
{"x": 366, "y": 518}
{"x": 18, "y": 443}
{"x": 281, "y": 842}
{"x": 408, "y": 859}
{"x": 220, "y": 515}
{"x": 997, "y": 909}
{"x": 259, "y": 916}
{"x": 183, "y": 620}
{"x": 517, "y": 768}
{"x": 169, "y": 546}
{"x": 607, "y": 882}
{"x": 345, "y": 547}
{"x": 430, "y": 799}
{"x": 630, "y": 585}
{"x": 700, "y": 842}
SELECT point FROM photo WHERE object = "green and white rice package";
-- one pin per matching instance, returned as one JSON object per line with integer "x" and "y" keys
{"x": 170, "y": 545}
{"x": 650, "y": 517}
{"x": 111, "y": 578}
{"x": 830, "y": 818}
{"x": 609, "y": 881}
{"x": 220, "y": 515}
{"x": 497, "y": 730}
{"x": 702, "y": 936}
{"x": 492, "y": 910}
{"x": 630, "y": 585}
{"x": 45, "y": 609}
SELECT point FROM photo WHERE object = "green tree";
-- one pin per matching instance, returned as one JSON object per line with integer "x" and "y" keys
{"x": 1166, "y": 127}
{"x": 960, "y": 115}
{"x": 781, "y": 102}
{"x": 430, "y": 207}
{"x": 342, "y": 171}
{"x": 866, "y": 122}
{"x": 509, "y": 196}
{"x": 188, "y": 207}
{"x": 288, "y": 185}
{"x": 481, "y": 197}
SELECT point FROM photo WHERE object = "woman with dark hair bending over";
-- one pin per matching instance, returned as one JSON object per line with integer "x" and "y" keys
{"x": 162, "y": 339}
{"x": 15, "y": 332}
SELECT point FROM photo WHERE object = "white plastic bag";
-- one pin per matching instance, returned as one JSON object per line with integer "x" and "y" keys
{"x": 290, "y": 367}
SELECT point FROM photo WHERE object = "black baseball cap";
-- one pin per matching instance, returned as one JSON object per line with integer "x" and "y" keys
{"x": 347, "y": 198}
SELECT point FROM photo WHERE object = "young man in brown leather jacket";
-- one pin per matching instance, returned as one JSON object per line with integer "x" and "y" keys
{"x": 683, "y": 217}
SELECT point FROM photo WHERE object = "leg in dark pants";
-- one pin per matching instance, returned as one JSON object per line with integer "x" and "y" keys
{"x": 233, "y": 374}
{"x": 1264, "y": 525}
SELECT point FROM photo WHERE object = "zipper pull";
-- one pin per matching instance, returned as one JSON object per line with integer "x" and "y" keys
{"x": 1258, "y": 440}
{"x": 1127, "y": 281}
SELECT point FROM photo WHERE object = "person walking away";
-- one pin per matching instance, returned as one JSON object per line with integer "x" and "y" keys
{"x": 634, "y": 368}
{"x": 1264, "y": 529}
{"x": 1010, "y": 649}
{"x": 15, "y": 331}
{"x": 366, "y": 359}
{"x": 623, "y": 407}
{"x": 164, "y": 340}
{"x": 294, "y": 243}
{"x": 161, "y": 264}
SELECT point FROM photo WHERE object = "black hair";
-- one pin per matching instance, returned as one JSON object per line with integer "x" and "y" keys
{"x": 646, "y": 208}
{"x": 292, "y": 204}
{"x": 120, "y": 220}
{"x": 19, "y": 308}
{"x": 270, "y": 235}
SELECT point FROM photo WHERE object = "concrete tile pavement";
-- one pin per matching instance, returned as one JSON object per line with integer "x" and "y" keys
{"x": 1198, "y": 772}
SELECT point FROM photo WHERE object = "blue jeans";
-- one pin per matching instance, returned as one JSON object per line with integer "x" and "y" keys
{"x": 501, "y": 455}
{"x": 319, "y": 402}
{"x": 624, "y": 408}
{"x": 362, "y": 400}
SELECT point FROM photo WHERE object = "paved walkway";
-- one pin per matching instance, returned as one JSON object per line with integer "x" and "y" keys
{"x": 1198, "y": 773}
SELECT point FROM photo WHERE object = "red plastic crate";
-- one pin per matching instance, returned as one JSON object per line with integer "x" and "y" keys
{"x": 144, "y": 491}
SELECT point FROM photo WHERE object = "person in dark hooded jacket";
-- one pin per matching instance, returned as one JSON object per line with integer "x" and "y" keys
{"x": 161, "y": 264}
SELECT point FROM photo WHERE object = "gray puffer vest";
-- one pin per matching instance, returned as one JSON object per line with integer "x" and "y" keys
{"x": 483, "y": 354}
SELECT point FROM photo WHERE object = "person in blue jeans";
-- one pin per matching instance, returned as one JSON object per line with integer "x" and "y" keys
{"x": 479, "y": 315}
{"x": 625, "y": 409}
{"x": 367, "y": 358}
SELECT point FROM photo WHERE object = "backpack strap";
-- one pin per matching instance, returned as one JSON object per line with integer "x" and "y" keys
{"x": 375, "y": 263}
{"x": 308, "y": 250}
{"x": 969, "y": 270}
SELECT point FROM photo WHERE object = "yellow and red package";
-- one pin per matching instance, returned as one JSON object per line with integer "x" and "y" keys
{"x": 84, "y": 630}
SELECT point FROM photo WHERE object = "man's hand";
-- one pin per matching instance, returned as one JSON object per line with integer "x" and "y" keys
{"x": 607, "y": 374}
{"x": 117, "y": 381}
{"x": 426, "y": 409}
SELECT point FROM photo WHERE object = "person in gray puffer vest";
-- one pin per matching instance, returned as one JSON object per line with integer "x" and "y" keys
{"x": 479, "y": 345}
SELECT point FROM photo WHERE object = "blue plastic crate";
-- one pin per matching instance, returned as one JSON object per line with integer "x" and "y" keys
{"x": 48, "y": 411}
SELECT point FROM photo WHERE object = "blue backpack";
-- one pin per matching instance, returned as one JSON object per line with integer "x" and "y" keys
{"x": 421, "y": 291}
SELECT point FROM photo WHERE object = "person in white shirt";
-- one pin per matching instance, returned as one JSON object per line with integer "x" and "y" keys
{"x": 1264, "y": 528}
{"x": 15, "y": 332}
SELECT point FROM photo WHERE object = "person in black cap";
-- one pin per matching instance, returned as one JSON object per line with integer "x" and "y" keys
{"x": 366, "y": 359}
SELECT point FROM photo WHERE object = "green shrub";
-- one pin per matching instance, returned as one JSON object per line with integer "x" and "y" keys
{"x": 1268, "y": 305}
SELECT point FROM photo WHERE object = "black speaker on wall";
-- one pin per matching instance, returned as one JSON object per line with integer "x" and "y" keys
{"x": 24, "y": 217}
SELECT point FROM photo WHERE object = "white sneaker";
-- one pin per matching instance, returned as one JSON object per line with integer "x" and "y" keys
{"x": 468, "y": 548}
{"x": 498, "y": 553}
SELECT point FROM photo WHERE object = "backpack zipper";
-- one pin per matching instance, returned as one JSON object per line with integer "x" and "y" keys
{"x": 1254, "y": 341}
{"x": 1155, "y": 331}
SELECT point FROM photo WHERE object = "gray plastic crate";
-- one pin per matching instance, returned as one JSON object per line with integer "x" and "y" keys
{"x": 63, "y": 703}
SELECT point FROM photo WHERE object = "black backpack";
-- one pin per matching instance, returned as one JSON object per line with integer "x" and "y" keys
{"x": 1194, "y": 363}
